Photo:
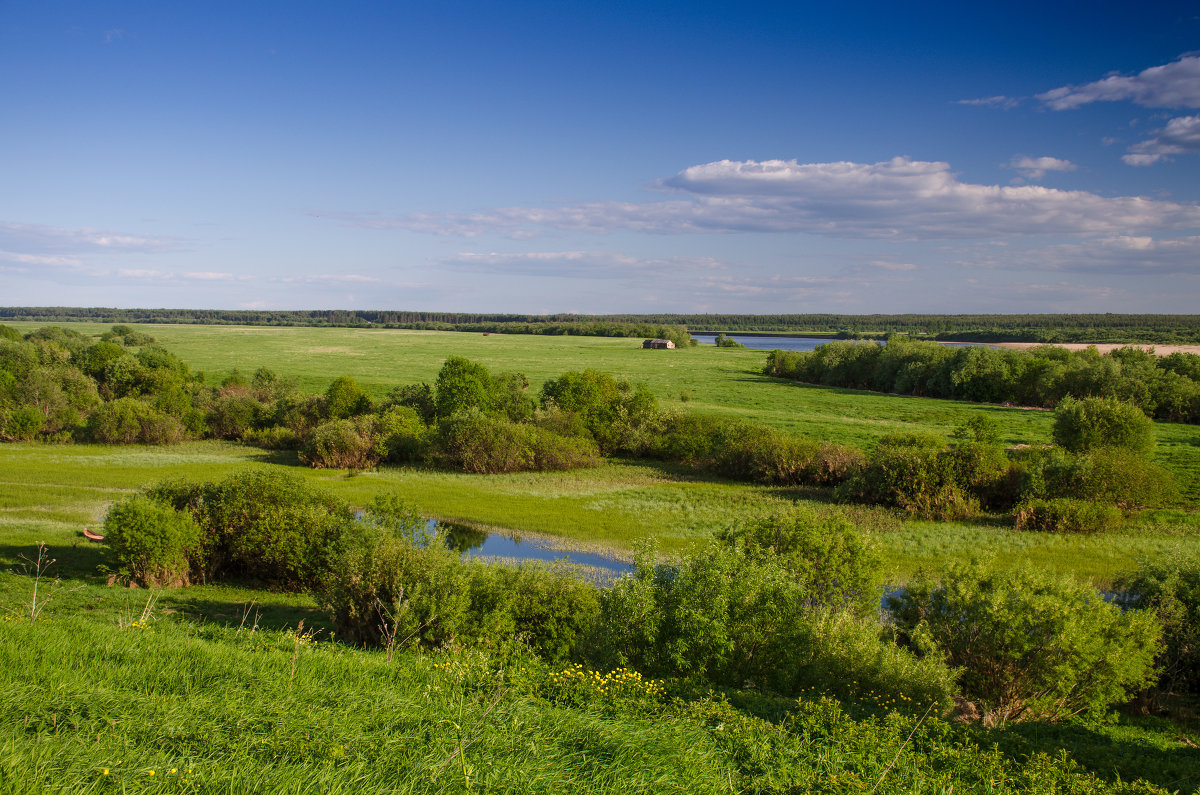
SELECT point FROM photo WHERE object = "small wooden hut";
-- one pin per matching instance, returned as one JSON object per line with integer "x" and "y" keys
{"x": 664, "y": 344}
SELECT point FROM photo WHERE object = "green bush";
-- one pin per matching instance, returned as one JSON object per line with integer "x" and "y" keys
{"x": 834, "y": 464}
{"x": 914, "y": 476}
{"x": 1121, "y": 477}
{"x": 153, "y": 543}
{"x": 20, "y": 424}
{"x": 1091, "y": 423}
{"x": 403, "y": 434}
{"x": 1030, "y": 646}
{"x": 344, "y": 444}
{"x": 404, "y": 584}
{"x": 231, "y": 415}
{"x": 475, "y": 442}
{"x": 387, "y": 586}
{"x": 277, "y": 437}
{"x": 130, "y": 421}
{"x": 764, "y": 455}
{"x": 610, "y": 409}
{"x": 345, "y": 398}
{"x": 1065, "y": 515}
{"x": 545, "y": 610}
{"x": 827, "y": 555}
{"x": 740, "y": 620}
{"x": 1170, "y": 590}
{"x": 264, "y": 525}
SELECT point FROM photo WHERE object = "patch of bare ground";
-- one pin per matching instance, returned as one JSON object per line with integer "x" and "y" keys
{"x": 1105, "y": 347}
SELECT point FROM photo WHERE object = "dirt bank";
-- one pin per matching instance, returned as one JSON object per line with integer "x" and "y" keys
{"x": 1159, "y": 350}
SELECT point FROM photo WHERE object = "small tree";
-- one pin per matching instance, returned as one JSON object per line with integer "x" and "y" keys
{"x": 1092, "y": 423}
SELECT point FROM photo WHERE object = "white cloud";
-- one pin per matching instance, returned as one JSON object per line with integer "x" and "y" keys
{"x": 41, "y": 238}
{"x": 589, "y": 264}
{"x": 1173, "y": 85}
{"x": 1036, "y": 167}
{"x": 1118, "y": 255}
{"x": 209, "y": 276}
{"x": 892, "y": 266}
{"x": 1181, "y": 136}
{"x": 40, "y": 259}
{"x": 996, "y": 102}
{"x": 900, "y": 199}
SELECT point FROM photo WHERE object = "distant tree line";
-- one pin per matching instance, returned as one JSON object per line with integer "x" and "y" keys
{"x": 1088, "y": 328}
{"x": 1166, "y": 387}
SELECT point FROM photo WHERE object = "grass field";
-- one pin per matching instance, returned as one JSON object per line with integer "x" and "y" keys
{"x": 215, "y": 693}
{"x": 723, "y": 380}
{"x": 49, "y": 490}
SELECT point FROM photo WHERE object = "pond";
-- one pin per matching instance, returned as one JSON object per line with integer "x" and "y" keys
{"x": 474, "y": 543}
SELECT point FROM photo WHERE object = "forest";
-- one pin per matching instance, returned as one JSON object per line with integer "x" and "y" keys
{"x": 1085, "y": 328}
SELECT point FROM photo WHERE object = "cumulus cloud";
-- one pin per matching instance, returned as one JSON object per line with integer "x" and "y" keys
{"x": 1181, "y": 136}
{"x": 1036, "y": 167}
{"x": 901, "y": 199}
{"x": 1173, "y": 85}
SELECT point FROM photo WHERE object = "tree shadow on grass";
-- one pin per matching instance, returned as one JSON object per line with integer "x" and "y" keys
{"x": 1109, "y": 757}
{"x": 77, "y": 561}
{"x": 255, "y": 610}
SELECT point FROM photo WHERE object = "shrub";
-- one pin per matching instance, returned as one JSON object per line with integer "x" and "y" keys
{"x": 231, "y": 415}
{"x": 916, "y": 477}
{"x": 982, "y": 470}
{"x": 21, "y": 424}
{"x": 1065, "y": 515}
{"x": 834, "y": 464}
{"x": 462, "y": 385}
{"x": 153, "y": 543}
{"x": 692, "y": 439}
{"x": 1092, "y": 423}
{"x": 763, "y": 455}
{"x": 130, "y": 421}
{"x": 343, "y": 444}
{"x": 475, "y": 442}
{"x": 546, "y": 610}
{"x": 345, "y": 398}
{"x": 277, "y": 437}
{"x": 827, "y": 555}
{"x": 265, "y": 525}
{"x": 1030, "y": 646}
{"x": 609, "y": 408}
{"x": 1117, "y": 476}
{"x": 979, "y": 427}
{"x": 739, "y": 620}
{"x": 1170, "y": 590}
{"x": 418, "y": 397}
{"x": 403, "y": 435}
{"x": 388, "y": 585}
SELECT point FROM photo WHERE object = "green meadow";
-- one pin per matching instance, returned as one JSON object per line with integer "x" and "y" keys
{"x": 214, "y": 688}
{"x": 48, "y": 491}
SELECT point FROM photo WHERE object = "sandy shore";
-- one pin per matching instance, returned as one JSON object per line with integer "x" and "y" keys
{"x": 1159, "y": 350}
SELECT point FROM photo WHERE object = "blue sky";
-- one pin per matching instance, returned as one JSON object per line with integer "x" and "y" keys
{"x": 601, "y": 157}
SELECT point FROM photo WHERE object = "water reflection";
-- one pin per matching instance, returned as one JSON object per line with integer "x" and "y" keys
{"x": 472, "y": 542}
